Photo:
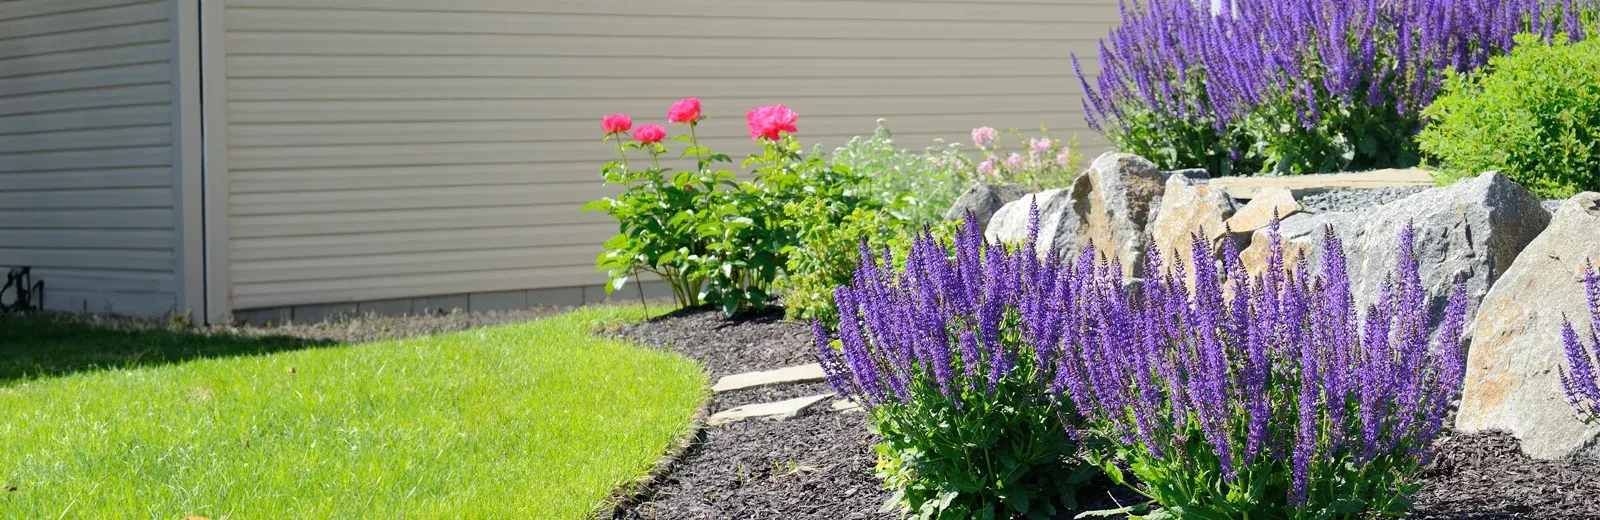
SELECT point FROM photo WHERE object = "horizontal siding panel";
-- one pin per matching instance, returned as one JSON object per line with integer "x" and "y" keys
{"x": 252, "y": 296}
{"x": 575, "y": 131}
{"x": 412, "y": 198}
{"x": 892, "y": 107}
{"x": 408, "y": 220}
{"x": 86, "y": 159}
{"x": 92, "y": 139}
{"x": 753, "y": 28}
{"x": 130, "y": 74}
{"x": 610, "y": 45}
{"x": 87, "y": 239}
{"x": 89, "y": 258}
{"x": 48, "y": 47}
{"x": 713, "y": 11}
{"x": 270, "y": 181}
{"x": 251, "y": 89}
{"x": 555, "y": 67}
{"x": 512, "y": 235}
{"x": 21, "y": 11}
{"x": 325, "y": 267}
{"x": 93, "y": 198}
{"x": 142, "y": 218}
{"x": 58, "y": 281}
{"x": 72, "y": 100}
{"x": 88, "y": 118}
{"x": 112, "y": 178}
{"x": 86, "y": 59}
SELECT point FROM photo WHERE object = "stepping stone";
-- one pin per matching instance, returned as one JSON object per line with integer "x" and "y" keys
{"x": 776, "y": 411}
{"x": 794, "y": 374}
{"x": 846, "y": 405}
{"x": 1301, "y": 185}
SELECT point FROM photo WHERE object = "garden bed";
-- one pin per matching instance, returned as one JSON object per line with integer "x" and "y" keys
{"x": 821, "y": 465}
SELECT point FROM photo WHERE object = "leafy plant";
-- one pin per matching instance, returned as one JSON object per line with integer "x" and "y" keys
{"x": 939, "y": 353}
{"x": 1295, "y": 86}
{"x": 824, "y": 254}
{"x": 1533, "y": 114}
{"x": 1580, "y": 380}
{"x": 713, "y": 238}
{"x": 1268, "y": 397}
{"x": 1048, "y": 162}
{"x": 916, "y": 186}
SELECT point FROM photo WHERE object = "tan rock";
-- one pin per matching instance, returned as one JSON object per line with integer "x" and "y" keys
{"x": 1112, "y": 200}
{"x": 1257, "y": 213}
{"x": 1188, "y": 208}
{"x": 1301, "y": 185}
{"x": 794, "y": 374}
{"x": 1516, "y": 356}
{"x": 780, "y": 410}
{"x": 1303, "y": 233}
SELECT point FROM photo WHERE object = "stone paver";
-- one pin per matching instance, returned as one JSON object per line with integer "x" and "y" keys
{"x": 1301, "y": 185}
{"x": 775, "y": 411}
{"x": 794, "y": 374}
{"x": 846, "y": 405}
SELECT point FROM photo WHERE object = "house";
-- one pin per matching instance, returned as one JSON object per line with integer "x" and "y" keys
{"x": 291, "y": 159}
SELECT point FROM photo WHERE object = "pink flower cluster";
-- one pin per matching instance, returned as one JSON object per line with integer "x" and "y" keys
{"x": 768, "y": 122}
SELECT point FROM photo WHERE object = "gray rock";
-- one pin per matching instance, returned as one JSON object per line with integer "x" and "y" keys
{"x": 1113, "y": 203}
{"x": 1058, "y": 225}
{"x": 982, "y": 200}
{"x": 1188, "y": 207}
{"x": 1474, "y": 228}
{"x": 1513, "y": 366}
{"x": 1304, "y": 233}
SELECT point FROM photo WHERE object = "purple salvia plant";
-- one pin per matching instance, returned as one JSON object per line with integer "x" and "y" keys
{"x": 1326, "y": 68}
{"x": 1579, "y": 380}
{"x": 1331, "y": 413}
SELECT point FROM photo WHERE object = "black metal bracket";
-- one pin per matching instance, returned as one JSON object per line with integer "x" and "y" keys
{"x": 28, "y": 295}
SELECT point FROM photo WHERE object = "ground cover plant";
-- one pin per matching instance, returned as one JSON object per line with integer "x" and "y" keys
{"x": 716, "y": 239}
{"x": 1531, "y": 114}
{"x": 1295, "y": 86}
{"x": 1271, "y": 397}
{"x": 1579, "y": 380}
{"x": 534, "y": 420}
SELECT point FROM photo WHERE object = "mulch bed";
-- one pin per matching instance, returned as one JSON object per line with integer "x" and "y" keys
{"x": 821, "y": 465}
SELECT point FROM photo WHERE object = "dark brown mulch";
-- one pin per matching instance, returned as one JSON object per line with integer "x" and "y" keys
{"x": 1485, "y": 476}
{"x": 758, "y": 341}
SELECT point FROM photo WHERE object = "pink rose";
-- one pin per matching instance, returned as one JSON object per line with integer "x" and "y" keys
{"x": 616, "y": 123}
{"x": 649, "y": 134}
{"x": 983, "y": 137}
{"x": 686, "y": 111}
{"x": 766, "y": 122}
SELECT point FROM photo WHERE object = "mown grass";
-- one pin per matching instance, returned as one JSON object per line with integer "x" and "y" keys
{"x": 536, "y": 420}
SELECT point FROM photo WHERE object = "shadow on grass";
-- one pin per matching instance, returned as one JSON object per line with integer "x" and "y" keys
{"x": 44, "y": 345}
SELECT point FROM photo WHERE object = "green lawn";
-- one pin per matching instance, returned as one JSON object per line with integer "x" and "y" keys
{"x": 536, "y": 420}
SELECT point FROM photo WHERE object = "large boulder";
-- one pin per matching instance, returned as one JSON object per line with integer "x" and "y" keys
{"x": 1304, "y": 233}
{"x": 1474, "y": 228}
{"x": 1259, "y": 211}
{"x": 982, "y": 200}
{"x": 1516, "y": 356}
{"x": 1112, "y": 200}
{"x": 1188, "y": 207}
{"x": 1058, "y": 225}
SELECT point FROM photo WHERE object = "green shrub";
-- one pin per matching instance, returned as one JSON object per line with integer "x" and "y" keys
{"x": 920, "y": 186}
{"x": 1533, "y": 114}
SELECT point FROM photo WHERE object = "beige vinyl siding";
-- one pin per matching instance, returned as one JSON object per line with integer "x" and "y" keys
{"x": 87, "y": 194}
{"x": 398, "y": 148}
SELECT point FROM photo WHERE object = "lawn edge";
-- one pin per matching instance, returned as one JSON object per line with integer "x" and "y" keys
{"x": 629, "y": 494}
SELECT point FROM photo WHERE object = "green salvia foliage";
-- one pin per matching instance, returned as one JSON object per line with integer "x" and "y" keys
{"x": 1533, "y": 115}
